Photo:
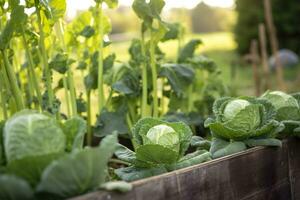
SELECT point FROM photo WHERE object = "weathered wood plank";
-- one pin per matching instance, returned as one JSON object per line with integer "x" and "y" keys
{"x": 256, "y": 174}
{"x": 294, "y": 165}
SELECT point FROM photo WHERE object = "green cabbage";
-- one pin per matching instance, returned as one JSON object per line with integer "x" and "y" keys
{"x": 286, "y": 105}
{"x": 29, "y": 133}
{"x": 243, "y": 118}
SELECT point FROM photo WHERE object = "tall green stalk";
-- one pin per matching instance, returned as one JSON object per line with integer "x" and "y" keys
{"x": 99, "y": 27}
{"x": 144, "y": 81}
{"x": 70, "y": 79}
{"x": 154, "y": 77}
{"x": 89, "y": 119}
{"x": 32, "y": 73}
{"x": 13, "y": 82}
{"x": 45, "y": 58}
{"x": 67, "y": 96}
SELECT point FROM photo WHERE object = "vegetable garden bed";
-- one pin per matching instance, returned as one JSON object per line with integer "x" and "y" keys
{"x": 257, "y": 173}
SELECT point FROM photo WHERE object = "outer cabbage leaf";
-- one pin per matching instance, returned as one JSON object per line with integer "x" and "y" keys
{"x": 132, "y": 173}
{"x": 74, "y": 129}
{"x": 191, "y": 159}
{"x": 78, "y": 172}
{"x": 156, "y": 154}
{"x": 31, "y": 168}
{"x": 14, "y": 188}
{"x": 263, "y": 142}
{"x": 28, "y": 133}
{"x": 221, "y": 148}
{"x": 125, "y": 154}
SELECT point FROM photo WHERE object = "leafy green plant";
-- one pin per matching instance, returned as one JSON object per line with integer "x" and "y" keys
{"x": 242, "y": 121}
{"x": 161, "y": 147}
{"x": 37, "y": 150}
{"x": 287, "y": 107}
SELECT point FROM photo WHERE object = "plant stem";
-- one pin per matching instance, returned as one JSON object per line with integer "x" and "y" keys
{"x": 119, "y": 161}
{"x": 45, "y": 59}
{"x": 89, "y": 119}
{"x": 99, "y": 27}
{"x": 3, "y": 95}
{"x": 144, "y": 81}
{"x": 71, "y": 85}
{"x": 67, "y": 96}
{"x": 13, "y": 82}
{"x": 31, "y": 70}
{"x": 154, "y": 77}
{"x": 190, "y": 98}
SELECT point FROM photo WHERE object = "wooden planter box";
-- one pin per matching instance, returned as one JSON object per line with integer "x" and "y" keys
{"x": 259, "y": 173}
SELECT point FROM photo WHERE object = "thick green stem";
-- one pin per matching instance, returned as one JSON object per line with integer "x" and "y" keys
{"x": 89, "y": 119}
{"x": 3, "y": 95}
{"x": 45, "y": 59}
{"x": 190, "y": 98}
{"x": 154, "y": 78}
{"x": 144, "y": 81}
{"x": 33, "y": 76}
{"x": 67, "y": 96}
{"x": 162, "y": 104}
{"x": 13, "y": 82}
{"x": 99, "y": 27}
{"x": 71, "y": 85}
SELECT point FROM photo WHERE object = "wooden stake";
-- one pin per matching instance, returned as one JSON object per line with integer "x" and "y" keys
{"x": 255, "y": 61}
{"x": 274, "y": 43}
{"x": 264, "y": 57}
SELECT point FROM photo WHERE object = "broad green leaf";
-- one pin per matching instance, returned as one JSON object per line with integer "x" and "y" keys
{"x": 128, "y": 84}
{"x": 263, "y": 142}
{"x": 200, "y": 143}
{"x": 220, "y": 148}
{"x": 111, "y": 122}
{"x": 178, "y": 76}
{"x": 125, "y": 154}
{"x": 31, "y": 168}
{"x": 75, "y": 129}
{"x": 60, "y": 63}
{"x": 132, "y": 173}
{"x": 17, "y": 18}
{"x": 156, "y": 154}
{"x": 14, "y": 188}
{"x": 87, "y": 32}
{"x": 79, "y": 172}
{"x": 28, "y": 133}
{"x": 174, "y": 31}
{"x": 119, "y": 186}
{"x": 191, "y": 160}
{"x": 147, "y": 11}
{"x": 188, "y": 50}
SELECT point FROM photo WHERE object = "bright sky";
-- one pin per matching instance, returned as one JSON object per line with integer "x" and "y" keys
{"x": 74, "y": 5}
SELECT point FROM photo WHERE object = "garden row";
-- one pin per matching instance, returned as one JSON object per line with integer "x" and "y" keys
{"x": 155, "y": 107}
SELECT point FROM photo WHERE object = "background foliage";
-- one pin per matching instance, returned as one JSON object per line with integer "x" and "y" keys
{"x": 286, "y": 16}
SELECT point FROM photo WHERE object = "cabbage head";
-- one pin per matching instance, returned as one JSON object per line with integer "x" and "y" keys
{"x": 160, "y": 142}
{"x": 287, "y": 106}
{"x": 243, "y": 118}
{"x": 288, "y": 109}
{"x": 29, "y": 134}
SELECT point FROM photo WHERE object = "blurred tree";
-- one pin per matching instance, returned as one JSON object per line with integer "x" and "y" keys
{"x": 286, "y": 18}
{"x": 211, "y": 19}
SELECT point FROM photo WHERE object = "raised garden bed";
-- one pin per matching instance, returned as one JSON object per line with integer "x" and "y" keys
{"x": 258, "y": 173}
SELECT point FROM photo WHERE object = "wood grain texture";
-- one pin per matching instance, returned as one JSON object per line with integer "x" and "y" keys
{"x": 256, "y": 174}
